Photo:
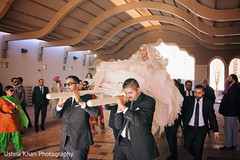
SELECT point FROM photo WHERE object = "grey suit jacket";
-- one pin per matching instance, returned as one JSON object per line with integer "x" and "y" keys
{"x": 20, "y": 93}
{"x": 75, "y": 123}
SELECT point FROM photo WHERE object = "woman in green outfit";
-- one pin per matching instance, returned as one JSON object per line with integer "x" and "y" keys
{"x": 12, "y": 118}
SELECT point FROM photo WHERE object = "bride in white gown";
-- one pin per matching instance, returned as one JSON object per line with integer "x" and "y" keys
{"x": 147, "y": 66}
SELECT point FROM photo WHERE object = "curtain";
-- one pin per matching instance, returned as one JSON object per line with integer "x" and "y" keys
{"x": 217, "y": 72}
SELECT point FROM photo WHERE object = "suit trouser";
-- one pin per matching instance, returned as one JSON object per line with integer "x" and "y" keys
{"x": 171, "y": 134}
{"x": 194, "y": 141}
{"x": 69, "y": 153}
{"x": 37, "y": 109}
{"x": 230, "y": 131}
{"x": 16, "y": 139}
{"x": 123, "y": 150}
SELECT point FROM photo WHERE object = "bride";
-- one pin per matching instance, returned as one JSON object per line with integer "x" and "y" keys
{"x": 148, "y": 67}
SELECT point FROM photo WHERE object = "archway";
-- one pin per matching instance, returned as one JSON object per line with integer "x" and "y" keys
{"x": 180, "y": 63}
{"x": 217, "y": 76}
{"x": 234, "y": 67}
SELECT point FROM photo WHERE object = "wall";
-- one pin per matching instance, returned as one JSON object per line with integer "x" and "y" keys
{"x": 28, "y": 67}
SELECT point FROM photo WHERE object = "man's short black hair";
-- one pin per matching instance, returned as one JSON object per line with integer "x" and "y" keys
{"x": 13, "y": 79}
{"x": 86, "y": 82}
{"x": 40, "y": 79}
{"x": 131, "y": 83}
{"x": 199, "y": 86}
{"x": 20, "y": 79}
{"x": 188, "y": 81}
{"x": 75, "y": 78}
{"x": 176, "y": 82}
{"x": 234, "y": 76}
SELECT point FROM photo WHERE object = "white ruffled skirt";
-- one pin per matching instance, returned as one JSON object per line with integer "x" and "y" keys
{"x": 155, "y": 83}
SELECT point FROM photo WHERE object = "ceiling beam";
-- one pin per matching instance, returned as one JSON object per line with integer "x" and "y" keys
{"x": 55, "y": 20}
{"x": 164, "y": 27}
{"x": 135, "y": 5}
{"x": 210, "y": 13}
{"x": 165, "y": 19}
{"x": 4, "y": 6}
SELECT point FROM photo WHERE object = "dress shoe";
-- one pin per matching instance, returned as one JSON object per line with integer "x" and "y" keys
{"x": 226, "y": 148}
{"x": 36, "y": 129}
{"x": 234, "y": 148}
{"x": 43, "y": 128}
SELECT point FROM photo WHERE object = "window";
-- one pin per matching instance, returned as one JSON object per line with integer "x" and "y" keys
{"x": 180, "y": 64}
{"x": 234, "y": 67}
{"x": 217, "y": 74}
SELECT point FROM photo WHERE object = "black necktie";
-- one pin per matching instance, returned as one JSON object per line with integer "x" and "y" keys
{"x": 41, "y": 90}
{"x": 196, "y": 121}
{"x": 189, "y": 93}
{"x": 127, "y": 123}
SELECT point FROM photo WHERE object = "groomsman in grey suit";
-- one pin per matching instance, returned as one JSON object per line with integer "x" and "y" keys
{"x": 19, "y": 92}
{"x": 76, "y": 133}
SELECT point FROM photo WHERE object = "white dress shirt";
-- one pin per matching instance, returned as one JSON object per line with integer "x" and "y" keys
{"x": 82, "y": 106}
{"x": 41, "y": 87}
{"x": 189, "y": 93}
{"x": 201, "y": 120}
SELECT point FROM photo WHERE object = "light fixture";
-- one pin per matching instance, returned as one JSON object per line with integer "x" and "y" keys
{"x": 24, "y": 51}
{"x": 75, "y": 58}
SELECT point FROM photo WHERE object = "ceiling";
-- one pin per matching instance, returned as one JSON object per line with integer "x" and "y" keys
{"x": 100, "y": 25}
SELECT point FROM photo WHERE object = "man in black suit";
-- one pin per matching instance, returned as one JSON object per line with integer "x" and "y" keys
{"x": 76, "y": 133}
{"x": 188, "y": 92}
{"x": 113, "y": 109}
{"x": 180, "y": 86}
{"x": 208, "y": 91}
{"x": 171, "y": 133}
{"x": 197, "y": 111}
{"x": 230, "y": 109}
{"x": 134, "y": 120}
{"x": 40, "y": 103}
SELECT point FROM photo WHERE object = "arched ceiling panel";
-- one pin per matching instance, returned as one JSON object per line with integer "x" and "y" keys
{"x": 210, "y": 13}
{"x": 56, "y": 18}
{"x": 23, "y": 7}
{"x": 91, "y": 23}
{"x": 54, "y": 4}
{"x": 4, "y": 6}
{"x": 172, "y": 28}
{"x": 153, "y": 5}
{"x": 95, "y": 9}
